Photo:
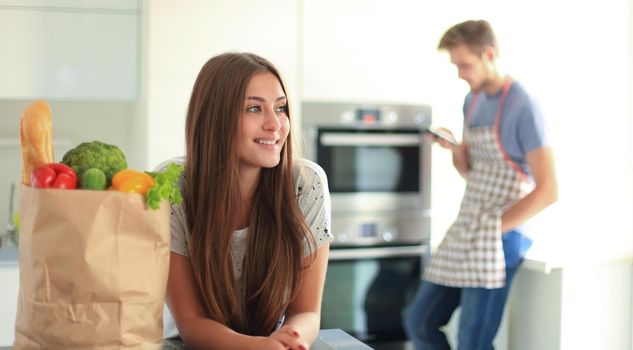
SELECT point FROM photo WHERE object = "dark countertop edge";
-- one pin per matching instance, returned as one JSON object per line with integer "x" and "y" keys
{"x": 327, "y": 339}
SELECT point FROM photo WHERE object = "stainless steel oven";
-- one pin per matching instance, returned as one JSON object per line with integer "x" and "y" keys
{"x": 367, "y": 290}
{"x": 378, "y": 167}
{"x": 377, "y": 161}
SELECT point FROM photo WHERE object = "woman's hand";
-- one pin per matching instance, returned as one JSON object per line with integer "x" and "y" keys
{"x": 287, "y": 338}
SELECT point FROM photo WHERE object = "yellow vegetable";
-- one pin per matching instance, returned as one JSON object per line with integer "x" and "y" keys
{"x": 129, "y": 180}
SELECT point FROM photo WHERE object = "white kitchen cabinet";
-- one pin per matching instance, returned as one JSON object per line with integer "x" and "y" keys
{"x": 75, "y": 4}
{"x": 569, "y": 304}
{"x": 9, "y": 275}
{"x": 68, "y": 53}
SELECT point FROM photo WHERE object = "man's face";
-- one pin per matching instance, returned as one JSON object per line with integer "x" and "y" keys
{"x": 473, "y": 68}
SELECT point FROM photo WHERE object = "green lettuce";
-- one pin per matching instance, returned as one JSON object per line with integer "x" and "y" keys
{"x": 165, "y": 186}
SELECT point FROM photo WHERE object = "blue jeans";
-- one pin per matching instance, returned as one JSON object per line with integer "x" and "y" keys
{"x": 482, "y": 309}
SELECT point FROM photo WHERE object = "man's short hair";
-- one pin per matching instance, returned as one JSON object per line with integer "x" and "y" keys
{"x": 476, "y": 34}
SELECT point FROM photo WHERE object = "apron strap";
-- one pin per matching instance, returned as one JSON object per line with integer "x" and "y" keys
{"x": 471, "y": 107}
{"x": 506, "y": 156}
{"x": 469, "y": 114}
{"x": 498, "y": 115}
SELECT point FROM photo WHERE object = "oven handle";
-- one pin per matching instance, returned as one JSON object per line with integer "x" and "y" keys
{"x": 380, "y": 252}
{"x": 354, "y": 139}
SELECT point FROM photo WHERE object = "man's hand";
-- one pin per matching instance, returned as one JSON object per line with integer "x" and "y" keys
{"x": 444, "y": 137}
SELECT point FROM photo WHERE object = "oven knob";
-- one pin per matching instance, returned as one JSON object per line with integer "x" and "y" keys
{"x": 390, "y": 235}
{"x": 347, "y": 117}
{"x": 421, "y": 118}
{"x": 391, "y": 118}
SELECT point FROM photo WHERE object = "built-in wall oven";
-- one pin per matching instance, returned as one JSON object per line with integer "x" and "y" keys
{"x": 377, "y": 161}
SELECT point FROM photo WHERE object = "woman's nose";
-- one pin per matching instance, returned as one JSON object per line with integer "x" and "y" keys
{"x": 271, "y": 121}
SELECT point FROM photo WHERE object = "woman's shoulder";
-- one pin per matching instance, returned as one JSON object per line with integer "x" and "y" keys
{"x": 308, "y": 172}
{"x": 163, "y": 165}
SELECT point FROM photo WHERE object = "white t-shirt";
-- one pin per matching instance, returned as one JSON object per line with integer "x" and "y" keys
{"x": 314, "y": 202}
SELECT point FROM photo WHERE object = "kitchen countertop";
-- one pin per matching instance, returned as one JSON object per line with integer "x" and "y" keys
{"x": 537, "y": 259}
{"x": 545, "y": 260}
{"x": 328, "y": 339}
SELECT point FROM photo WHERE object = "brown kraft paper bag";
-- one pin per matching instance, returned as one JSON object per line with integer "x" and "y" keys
{"x": 93, "y": 270}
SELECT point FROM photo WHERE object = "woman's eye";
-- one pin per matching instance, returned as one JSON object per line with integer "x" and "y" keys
{"x": 282, "y": 109}
{"x": 253, "y": 109}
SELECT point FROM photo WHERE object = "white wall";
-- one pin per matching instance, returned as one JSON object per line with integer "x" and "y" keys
{"x": 584, "y": 90}
{"x": 630, "y": 117}
{"x": 182, "y": 36}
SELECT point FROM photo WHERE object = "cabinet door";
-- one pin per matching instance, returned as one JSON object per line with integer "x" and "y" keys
{"x": 9, "y": 275}
{"x": 119, "y": 5}
{"x": 68, "y": 54}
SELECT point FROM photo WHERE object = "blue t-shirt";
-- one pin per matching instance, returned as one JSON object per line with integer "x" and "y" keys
{"x": 522, "y": 127}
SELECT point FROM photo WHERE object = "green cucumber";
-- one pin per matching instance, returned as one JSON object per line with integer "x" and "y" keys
{"x": 93, "y": 179}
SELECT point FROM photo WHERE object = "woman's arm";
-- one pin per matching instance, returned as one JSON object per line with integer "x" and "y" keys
{"x": 304, "y": 314}
{"x": 196, "y": 330}
{"x": 541, "y": 163}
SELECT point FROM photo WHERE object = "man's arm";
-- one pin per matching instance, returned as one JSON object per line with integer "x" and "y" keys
{"x": 460, "y": 159}
{"x": 545, "y": 193}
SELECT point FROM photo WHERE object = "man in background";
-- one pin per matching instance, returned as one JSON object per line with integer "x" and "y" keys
{"x": 508, "y": 166}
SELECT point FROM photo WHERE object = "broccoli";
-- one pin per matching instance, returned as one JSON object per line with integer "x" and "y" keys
{"x": 108, "y": 158}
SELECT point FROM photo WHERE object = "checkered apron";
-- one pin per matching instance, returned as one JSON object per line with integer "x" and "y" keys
{"x": 471, "y": 253}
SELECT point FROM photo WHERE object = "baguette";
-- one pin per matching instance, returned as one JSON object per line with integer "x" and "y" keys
{"x": 36, "y": 138}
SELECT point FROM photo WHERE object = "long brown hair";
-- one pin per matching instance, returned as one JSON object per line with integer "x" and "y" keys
{"x": 277, "y": 230}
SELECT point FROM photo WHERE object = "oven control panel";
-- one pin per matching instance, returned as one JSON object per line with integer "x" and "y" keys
{"x": 368, "y": 233}
{"x": 396, "y": 228}
{"x": 359, "y": 114}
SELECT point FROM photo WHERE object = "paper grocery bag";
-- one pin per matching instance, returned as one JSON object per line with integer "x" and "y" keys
{"x": 93, "y": 270}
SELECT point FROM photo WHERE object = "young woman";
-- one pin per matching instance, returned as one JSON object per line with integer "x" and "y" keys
{"x": 250, "y": 240}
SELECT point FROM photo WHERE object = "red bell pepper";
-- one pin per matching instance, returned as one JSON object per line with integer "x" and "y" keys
{"x": 54, "y": 175}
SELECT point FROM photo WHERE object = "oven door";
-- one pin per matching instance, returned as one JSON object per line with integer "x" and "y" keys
{"x": 370, "y": 160}
{"x": 367, "y": 290}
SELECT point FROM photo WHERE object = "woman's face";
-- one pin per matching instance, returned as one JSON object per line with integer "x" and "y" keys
{"x": 265, "y": 123}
